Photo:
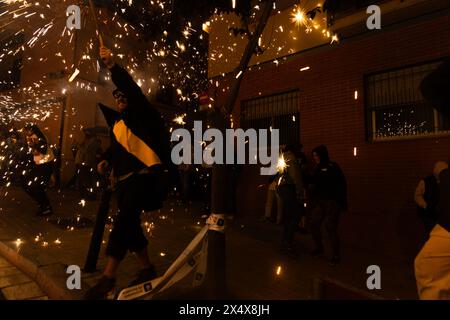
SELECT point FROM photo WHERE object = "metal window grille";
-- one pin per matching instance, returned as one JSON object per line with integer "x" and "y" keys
{"x": 395, "y": 106}
{"x": 278, "y": 111}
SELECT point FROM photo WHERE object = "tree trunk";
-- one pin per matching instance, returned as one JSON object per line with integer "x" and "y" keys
{"x": 223, "y": 188}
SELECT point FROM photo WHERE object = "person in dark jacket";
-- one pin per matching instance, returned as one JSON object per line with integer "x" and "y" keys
{"x": 140, "y": 147}
{"x": 426, "y": 197}
{"x": 328, "y": 197}
{"x": 39, "y": 169}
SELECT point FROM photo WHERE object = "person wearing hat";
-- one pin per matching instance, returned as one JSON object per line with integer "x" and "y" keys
{"x": 138, "y": 155}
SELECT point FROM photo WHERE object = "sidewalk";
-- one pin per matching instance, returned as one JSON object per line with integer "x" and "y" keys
{"x": 253, "y": 257}
{"x": 15, "y": 285}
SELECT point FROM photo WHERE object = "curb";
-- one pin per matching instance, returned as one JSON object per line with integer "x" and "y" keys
{"x": 46, "y": 283}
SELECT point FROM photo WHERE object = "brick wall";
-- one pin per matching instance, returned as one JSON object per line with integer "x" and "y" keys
{"x": 383, "y": 176}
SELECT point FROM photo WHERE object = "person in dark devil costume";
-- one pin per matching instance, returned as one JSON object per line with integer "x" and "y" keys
{"x": 138, "y": 156}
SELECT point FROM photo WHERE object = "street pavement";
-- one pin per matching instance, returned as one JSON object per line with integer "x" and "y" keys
{"x": 15, "y": 285}
{"x": 256, "y": 267}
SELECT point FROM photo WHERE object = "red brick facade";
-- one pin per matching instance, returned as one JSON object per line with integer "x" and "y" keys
{"x": 383, "y": 175}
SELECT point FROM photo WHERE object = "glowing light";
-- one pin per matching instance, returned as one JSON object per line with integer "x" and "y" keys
{"x": 179, "y": 120}
{"x": 305, "y": 69}
{"x": 206, "y": 26}
{"x": 74, "y": 75}
{"x": 278, "y": 272}
{"x": 355, "y": 151}
{"x": 299, "y": 17}
{"x": 356, "y": 95}
{"x": 281, "y": 165}
{"x": 334, "y": 38}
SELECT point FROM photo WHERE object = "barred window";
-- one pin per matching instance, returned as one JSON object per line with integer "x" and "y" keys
{"x": 395, "y": 106}
{"x": 278, "y": 111}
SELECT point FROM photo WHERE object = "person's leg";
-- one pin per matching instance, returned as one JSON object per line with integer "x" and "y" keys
{"x": 144, "y": 259}
{"x": 286, "y": 212}
{"x": 118, "y": 242}
{"x": 45, "y": 172}
{"x": 279, "y": 208}
{"x": 432, "y": 266}
{"x": 290, "y": 214}
{"x": 31, "y": 184}
{"x": 317, "y": 215}
{"x": 115, "y": 250}
{"x": 331, "y": 223}
{"x": 294, "y": 217}
{"x": 26, "y": 182}
{"x": 269, "y": 204}
{"x": 144, "y": 187}
{"x": 112, "y": 265}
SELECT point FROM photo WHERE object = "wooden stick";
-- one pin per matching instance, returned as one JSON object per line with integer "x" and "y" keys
{"x": 100, "y": 39}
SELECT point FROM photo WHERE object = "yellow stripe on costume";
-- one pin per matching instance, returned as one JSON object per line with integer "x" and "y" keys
{"x": 134, "y": 145}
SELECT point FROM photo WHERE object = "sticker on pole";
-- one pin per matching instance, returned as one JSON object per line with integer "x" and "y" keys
{"x": 216, "y": 222}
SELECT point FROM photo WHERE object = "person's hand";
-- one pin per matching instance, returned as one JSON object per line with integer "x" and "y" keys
{"x": 102, "y": 167}
{"x": 107, "y": 57}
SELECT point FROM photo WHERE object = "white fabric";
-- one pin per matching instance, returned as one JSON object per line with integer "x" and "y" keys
{"x": 432, "y": 266}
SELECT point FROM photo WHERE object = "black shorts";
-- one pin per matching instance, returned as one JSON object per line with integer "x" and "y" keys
{"x": 140, "y": 192}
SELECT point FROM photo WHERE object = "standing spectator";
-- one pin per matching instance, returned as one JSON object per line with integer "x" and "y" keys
{"x": 273, "y": 198}
{"x": 18, "y": 157}
{"x": 73, "y": 181}
{"x": 427, "y": 197}
{"x": 86, "y": 163}
{"x": 432, "y": 264}
{"x": 290, "y": 190}
{"x": 39, "y": 171}
{"x": 328, "y": 197}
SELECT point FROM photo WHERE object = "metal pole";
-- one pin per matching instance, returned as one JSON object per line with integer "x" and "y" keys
{"x": 97, "y": 234}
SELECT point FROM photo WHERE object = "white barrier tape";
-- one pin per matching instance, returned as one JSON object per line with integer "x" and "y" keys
{"x": 216, "y": 222}
{"x": 185, "y": 270}
{"x": 200, "y": 273}
{"x": 182, "y": 266}
{"x": 177, "y": 271}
